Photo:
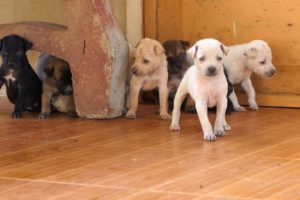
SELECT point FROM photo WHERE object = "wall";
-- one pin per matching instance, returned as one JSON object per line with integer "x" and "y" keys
{"x": 52, "y": 11}
{"x": 233, "y": 22}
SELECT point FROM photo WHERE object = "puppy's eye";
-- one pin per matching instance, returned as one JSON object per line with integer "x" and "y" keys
{"x": 263, "y": 62}
{"x": 202, "y": 58}
{"x": 146, "y": 61}
{"x": 133, "y": 58}
{"x": 219, "y": 58}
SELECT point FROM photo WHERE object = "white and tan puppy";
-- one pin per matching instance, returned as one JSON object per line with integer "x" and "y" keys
{"x": 149, "y": 71}
{"x": 205, "y": 81}
{"x": 241, "y": 61}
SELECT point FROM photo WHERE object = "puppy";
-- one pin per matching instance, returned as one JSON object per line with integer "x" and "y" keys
{"x": 149, "y": 71}
{"x": 178, "y": 63}
{"x": 241, "y": 61}
{"x": 57, "y": 85}
{"x": 205, "y": 81}
{"x": 23, "y": 87}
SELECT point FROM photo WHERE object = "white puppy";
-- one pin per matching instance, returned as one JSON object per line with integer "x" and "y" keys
{"x": 241, "y": 61}
{"x": 205, "y": 81}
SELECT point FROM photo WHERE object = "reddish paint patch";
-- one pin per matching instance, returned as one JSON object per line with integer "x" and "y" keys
{"x": 107, "y": 18}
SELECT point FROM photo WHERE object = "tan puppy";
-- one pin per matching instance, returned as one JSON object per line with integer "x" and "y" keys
{"x": 57, "y": 85}
{"x": 205, "y": 81}
{"x": 149, "y": 71}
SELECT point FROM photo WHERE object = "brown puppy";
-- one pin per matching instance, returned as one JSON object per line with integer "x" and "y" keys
{"x": 149, "y": 71}
{"x": 178, "y": 63}
{"x": 57, "y": 85}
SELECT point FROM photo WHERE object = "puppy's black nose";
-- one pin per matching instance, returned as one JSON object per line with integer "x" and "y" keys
{"x": 134, "y": 70}
{"x": 69, "y": 92}
{"x": 272, "y": 72}
{"x": 211, "y": 69}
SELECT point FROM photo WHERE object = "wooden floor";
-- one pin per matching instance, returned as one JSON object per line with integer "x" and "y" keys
{"x": 76, "y": 159}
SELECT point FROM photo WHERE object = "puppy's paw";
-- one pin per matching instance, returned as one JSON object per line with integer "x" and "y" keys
{"x": 16, "y": 114}
{"x": 130, "y": 115}
{"x": 175, "y": 127}
{"x": 219, "y": 132}
{"x": 240, "y": 109}
{"x": 43, "y": 115}
{"x": 165, "y": 116}
{"x": 209, "y": 137}
{"x": 72, "y": 114}
{"x": 190, "y": 109}
{"x": 254, "y": 106}
{"x": 226, "y": 127}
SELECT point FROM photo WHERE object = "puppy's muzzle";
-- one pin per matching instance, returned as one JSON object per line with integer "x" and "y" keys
{"x": 211, "y": 71}
{"x": 68, "y": 92}
{"x": 270, "y": 73}
{"x": 136, "y": 72}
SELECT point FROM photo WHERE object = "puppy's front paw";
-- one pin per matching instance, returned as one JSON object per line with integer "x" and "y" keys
{"x": 190, "y": 109}
{"x": 219, "y": 132}
{"x": 226, "y": 127}
{"x": 16, "y": 114}
{"x": 130, "y": 115}
{"x": 253, "y": 106}
{"x": 175, "y": 127}
{"x": 165, "y": 116}
{"x": 43, "y": 115}
{"x": 240, "y": 109}
{"x": 209, "y": 137}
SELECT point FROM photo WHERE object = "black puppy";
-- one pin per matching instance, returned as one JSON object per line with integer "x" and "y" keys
{"x": 23, "y": 87}
{"x": 178, "y": 63}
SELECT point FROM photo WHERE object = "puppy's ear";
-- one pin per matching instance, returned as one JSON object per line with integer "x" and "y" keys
{"x": 1, "y": 44}
{"x": 49, "y": 70}
{"x": 224, "y": 49}
{"x": 193, "y": 51}
{"x": 158, "y": 49}
{"x": 185, "y": 44}
{"x": 251, "y": 52}
{"x": 27, "y": 44}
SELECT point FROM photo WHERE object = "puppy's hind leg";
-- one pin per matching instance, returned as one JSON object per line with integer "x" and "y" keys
{"x": 247, "y": 86}
{"x": 190, "y": 105}
{"x": 236, "y": 105}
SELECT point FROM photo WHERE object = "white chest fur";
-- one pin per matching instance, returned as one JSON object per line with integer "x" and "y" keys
{"x": 150, "y": 83}
{"x": 211, "y": 90}
{"x": 10, "y": 77}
